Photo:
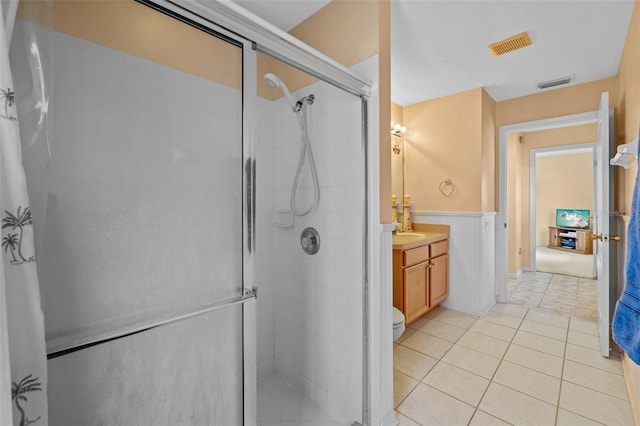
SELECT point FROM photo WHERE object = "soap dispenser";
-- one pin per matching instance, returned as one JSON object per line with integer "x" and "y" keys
{"x": 406, "y": 214}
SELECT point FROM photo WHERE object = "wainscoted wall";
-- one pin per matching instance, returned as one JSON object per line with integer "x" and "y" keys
{"x": 471, "y": 259}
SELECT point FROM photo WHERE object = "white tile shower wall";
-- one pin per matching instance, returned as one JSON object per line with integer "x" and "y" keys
{"x": 471, "y": 259}
{"x": 128, "y": 112}
{"x": 317, "y": 299}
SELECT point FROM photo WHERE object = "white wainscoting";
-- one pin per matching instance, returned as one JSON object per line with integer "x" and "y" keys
{"x": 472, "y": 252}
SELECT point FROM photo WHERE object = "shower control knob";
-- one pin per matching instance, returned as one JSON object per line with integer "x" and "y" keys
{"x": 310, "y": 241}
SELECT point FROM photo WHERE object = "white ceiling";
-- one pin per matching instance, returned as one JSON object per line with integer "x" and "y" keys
{"x": 439, "y": 47}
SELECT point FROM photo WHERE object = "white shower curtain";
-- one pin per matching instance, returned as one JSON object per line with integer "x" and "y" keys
{"x": 23, "y": 374}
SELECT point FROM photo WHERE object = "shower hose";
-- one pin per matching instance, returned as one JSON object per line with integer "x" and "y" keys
{"x": 305, "y": 153}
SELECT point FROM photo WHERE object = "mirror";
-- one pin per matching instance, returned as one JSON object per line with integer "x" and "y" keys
{"x": 397, "y": 166}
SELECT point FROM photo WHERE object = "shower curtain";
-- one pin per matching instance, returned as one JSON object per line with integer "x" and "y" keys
{"x": 23, "y": 375}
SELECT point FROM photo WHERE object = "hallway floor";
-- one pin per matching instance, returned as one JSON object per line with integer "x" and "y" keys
{"x": 516, "y": 365}
{"x": 556, "y": 294}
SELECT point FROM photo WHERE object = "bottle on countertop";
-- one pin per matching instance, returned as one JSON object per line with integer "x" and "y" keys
{"x": 406, "y": 214}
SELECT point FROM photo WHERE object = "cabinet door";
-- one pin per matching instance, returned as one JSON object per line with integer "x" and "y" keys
{"x": 553, "y": 237}
{"x": 438, "y": 279}
{"x": 581, "y": 243}
{"x": 415, "y": 290}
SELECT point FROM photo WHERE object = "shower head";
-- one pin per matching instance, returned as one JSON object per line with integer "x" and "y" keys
{"x": 275, "y": 82}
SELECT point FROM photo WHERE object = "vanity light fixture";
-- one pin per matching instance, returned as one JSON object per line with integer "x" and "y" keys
{"x": 398, "y": 130}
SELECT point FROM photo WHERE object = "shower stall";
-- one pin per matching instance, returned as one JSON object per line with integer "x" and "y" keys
{"x": 174, "y": 191}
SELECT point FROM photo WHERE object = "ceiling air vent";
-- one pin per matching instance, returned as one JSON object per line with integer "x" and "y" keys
{"x": 556, "y": 82}
{"x": 510, "y": 44}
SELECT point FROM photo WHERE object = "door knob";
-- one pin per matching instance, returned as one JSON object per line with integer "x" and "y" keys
{"x": 611, "y": 237}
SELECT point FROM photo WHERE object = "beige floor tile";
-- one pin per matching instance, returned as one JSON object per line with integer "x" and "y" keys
{"x": 595, "y": 405}
{"x": 442, "y": 409}
{"x": 567, "y": 418}
{"x": 505, "y": 308}
{"x": 443, "y": 330}
{"x": 412, "y": 363}
{"x": 480, "y": 418}
{"x": 583, "y": 339}
{"x": 503, "y": 319}
{"x": 549, "y": 319}
{"x": 417, "y": 324}
{"x": 405, "y": 421}
{"x": 528, "y": 381}
{"x": 459, "y": 319}
{"x": 596, "y": 379}
{"x": 494, "y": 330}
{"x": 428, "y": 344}
{"x": 516, "y": 408}
{"x": 544, "y": 330}
{"x": 536, "y": 360}
{"x": 582, "y": 326}
{"x": 407, "y": 332}
{"x": 485, "y": 344}
{"x": 539, "y": 343}
{"x": 456, "y": 382}
{"x": 471, "y": 360}
{"x": 402, "y": 386}
{"x": 593, "y": 358}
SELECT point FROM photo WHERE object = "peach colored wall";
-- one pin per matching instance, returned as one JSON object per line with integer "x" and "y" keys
{"x": 489, "y": 203}
{"x": 532, "y": 140}
{"x": 444, "y": 140}
{"x": 628, "y": 107}
{"x": 554, "y": 103}
{"x": 562, "y": 182}
{"x": 514, "y": 201}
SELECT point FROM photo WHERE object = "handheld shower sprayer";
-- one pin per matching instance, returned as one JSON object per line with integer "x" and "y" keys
{"x": 276, "y": 83}
{"x": 305, "y": 152}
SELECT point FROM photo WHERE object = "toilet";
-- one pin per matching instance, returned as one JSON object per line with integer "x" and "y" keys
{"x": 398, "y": 323}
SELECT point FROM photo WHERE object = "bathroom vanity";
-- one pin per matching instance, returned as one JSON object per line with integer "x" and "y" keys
{"x": 420, "y": 270}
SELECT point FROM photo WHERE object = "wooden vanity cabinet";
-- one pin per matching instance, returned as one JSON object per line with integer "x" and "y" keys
{"x": 420, "y": 278}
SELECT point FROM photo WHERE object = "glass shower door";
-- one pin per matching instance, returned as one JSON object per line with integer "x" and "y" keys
{"x": 136, "y": 180}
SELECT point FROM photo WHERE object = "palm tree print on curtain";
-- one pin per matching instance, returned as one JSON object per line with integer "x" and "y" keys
{"x": 19, "y": 221}
{"x": 18, "y": 391}
{"x": 9, "y": 97}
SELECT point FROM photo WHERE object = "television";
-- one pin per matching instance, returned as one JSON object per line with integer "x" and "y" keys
{"x": 572, "y": 218}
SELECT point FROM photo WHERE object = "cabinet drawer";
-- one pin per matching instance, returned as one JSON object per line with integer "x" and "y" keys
{"x": 439, "y": 248}
{"x": 415, "y": 255}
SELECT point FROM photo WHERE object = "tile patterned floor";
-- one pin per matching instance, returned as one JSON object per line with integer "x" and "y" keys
{"x": 559, "y": 294}
{"x": 515, "y": 365}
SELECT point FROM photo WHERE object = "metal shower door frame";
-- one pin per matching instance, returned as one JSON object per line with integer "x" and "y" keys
{"x": 256, "y": 35}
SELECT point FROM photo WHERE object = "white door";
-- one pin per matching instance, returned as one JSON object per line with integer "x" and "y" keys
{"x": 604, "y": 195}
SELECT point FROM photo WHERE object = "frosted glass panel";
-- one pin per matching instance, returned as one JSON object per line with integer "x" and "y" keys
{"x": 186, "y": 373}
{"x": 138, "y": 209}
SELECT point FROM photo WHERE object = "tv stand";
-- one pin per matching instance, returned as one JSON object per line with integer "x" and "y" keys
{"x": 570, "y": 239}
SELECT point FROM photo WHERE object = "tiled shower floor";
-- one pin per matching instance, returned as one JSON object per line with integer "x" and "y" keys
{"x": 280, "y": 404}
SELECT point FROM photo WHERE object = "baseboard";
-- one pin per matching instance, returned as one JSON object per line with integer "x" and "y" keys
{"x": 479, "y": 312}
{"x": 632, "y": 378}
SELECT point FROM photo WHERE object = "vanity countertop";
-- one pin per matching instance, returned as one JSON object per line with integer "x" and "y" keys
{"x": 408, "y": 240}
